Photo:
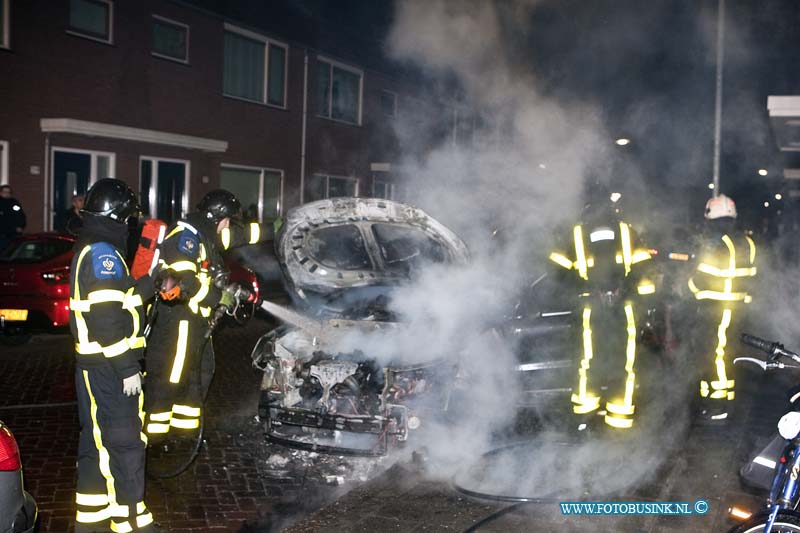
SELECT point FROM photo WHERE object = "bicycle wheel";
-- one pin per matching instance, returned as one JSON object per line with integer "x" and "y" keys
{"x": 786, "y": 522}
{"x": 172, "y": 457}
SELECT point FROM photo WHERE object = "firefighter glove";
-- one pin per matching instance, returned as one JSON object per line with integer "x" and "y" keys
{"x": 132, "y": 385}
{"x": 227, "y": 299}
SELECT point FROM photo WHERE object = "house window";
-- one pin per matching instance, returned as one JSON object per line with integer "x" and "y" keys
{"x": 259, "y": 189}
{"x": 92, "y": 19}
{"x": 338, "y": 91}
{"x": 382, "y": 189}
{"x": 5, "y": 23}
{"x": 170, "y": 39}
{"x": 255, "y": 67}
{"x": 320, "y": 187}
{"x": 389, "y": 103}
{"x": 164, "y": 188}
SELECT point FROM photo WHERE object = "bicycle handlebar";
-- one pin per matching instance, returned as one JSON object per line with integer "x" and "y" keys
{"x": 773, "y": 349}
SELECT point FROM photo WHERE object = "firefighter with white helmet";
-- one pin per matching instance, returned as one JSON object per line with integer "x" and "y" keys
{"x": 724, "y": 270}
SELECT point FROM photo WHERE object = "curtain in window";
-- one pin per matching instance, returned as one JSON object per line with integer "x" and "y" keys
{"x": 323, "y": 87}
{"x": 277, "y": 63}
{"x": 272, "y": 195}
{"x": 345, "y": 95}
{"x": 244, "y": 67}
{"x": 245, "y": 184}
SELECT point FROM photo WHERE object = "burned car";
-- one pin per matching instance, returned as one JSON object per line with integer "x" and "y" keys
{"x": 342, "y": 260}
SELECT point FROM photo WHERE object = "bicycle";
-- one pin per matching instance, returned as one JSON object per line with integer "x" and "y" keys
{"x": 784, "y": 494}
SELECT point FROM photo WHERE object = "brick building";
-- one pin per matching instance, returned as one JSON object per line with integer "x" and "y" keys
{"x": 176, "y": 100}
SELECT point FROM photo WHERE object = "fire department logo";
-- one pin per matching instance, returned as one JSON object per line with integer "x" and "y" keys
{"x": 108, "y": 264}
{"x": 190, "y": 245}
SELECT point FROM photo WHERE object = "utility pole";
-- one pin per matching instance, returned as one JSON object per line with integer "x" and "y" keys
{"x": 718, "y": 102}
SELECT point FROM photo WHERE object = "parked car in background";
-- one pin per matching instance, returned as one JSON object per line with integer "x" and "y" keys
{"x": 34, "y": 285}
{"x": 18, "y": 511}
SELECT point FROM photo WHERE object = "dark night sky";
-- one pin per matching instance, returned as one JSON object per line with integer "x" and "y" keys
{"x": 649, "y": 67}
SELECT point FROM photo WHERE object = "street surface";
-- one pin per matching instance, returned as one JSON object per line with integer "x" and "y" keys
{"x": 240, "y": 483}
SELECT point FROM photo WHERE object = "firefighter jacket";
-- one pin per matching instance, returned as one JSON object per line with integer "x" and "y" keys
{"x": 106, "y": 304}
{"x": 191, "y": 254}
{"x": 604, "y": 257}
{"x": 725, "y": 268}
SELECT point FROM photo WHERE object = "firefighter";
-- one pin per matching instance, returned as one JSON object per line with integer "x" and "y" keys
{"x": 724, "y": 269}
{"x": 607, "y": 271}
{"x": 106, "y": 320}
{"x": 195, "y": 281}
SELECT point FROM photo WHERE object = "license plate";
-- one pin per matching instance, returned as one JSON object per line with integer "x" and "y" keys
{"x": 15, "y": 315}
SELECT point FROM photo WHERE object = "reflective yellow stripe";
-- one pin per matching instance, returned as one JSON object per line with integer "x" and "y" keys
{"x": 140, "y": 508}
{"x": 144, "y": 520}
{"x": 142, "y": 434}
{"x": 625, "y": 237}
{"x": 205, "y": 312}
{"x": 630, "y": 358}
{"x": 205, "y": 286}
{"x": 185, "y": 424}
{"x": 160, "y": 417}
{"x": 719, "y": 361}
{"x": 726, "y": 273}
{"x": 80, "y": 322}
{"x": 183, "y": 266}
{"x": 105, "y": 460}
{"x": 180, "y": 352}
{"x": 752, "y": 249}
{"x": 255, "y": 232}
{"x": 174, "y": 232}
{"x": 580, "y": 253}
{"x": 620, "y": 423}
{"x": 183, "y": 225}
{"x": 225, "y": 236}
{"x": 646, "y": 288}
{"x": 203, "y": 255}
{"x": 561, "y": 260}
{"x": 121, "y": 527}
{"x": 185, "y": 410}
{"x": 92, "y": 517}
{"x": 157, "y": 428}
{"x": 722, "y": 296}
{"x": 585, "y": 402}
{"x": 639, "y": 256}
{"x": 91, "y": 500}
{"x": 619, "y": 409}
{"x": 118, "y": 348}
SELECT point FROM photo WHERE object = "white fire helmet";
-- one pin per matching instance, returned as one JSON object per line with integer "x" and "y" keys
{"x": 719, "y": 207}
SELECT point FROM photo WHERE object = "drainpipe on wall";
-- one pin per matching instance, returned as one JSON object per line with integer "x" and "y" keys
{"x": 305, "y": 121}
{"x": 46, "y": 213}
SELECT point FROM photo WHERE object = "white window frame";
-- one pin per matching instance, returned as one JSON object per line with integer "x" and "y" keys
{"x": 172, "y": 22}
{"x": 335, "y": 176}
{"x": 394, "y": 108}
{"x": 78, "y": 33}
{"x": 261, "y": 171}
{"x": 5, "y": 42}
{"x": 94, "y": 154}
{"x": 389, "y": 185}
{"x": 333, "y": 63}
{"x": 3, "y": 162}
{"x": 151, "y": 194}
{"x": 267, "y": 43}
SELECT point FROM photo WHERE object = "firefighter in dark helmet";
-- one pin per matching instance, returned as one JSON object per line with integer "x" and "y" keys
{"x": 106, "y": 320}
{"x": 607, "y": 271}
{"x": 195, "y": 283}
{"x": 723, "y": 274}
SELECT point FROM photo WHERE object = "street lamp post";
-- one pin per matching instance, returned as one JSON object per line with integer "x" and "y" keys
{"x": 718, "y": 102}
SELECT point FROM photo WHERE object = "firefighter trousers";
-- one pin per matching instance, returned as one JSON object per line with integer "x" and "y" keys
{"x": 616, "y": 326}
{"x": 177, "y": 373}
{"x": 716, "y": 322}
{"x": 111, "y": 454}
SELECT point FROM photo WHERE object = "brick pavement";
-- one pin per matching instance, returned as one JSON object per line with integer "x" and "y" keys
{"x": 231, "y": 486}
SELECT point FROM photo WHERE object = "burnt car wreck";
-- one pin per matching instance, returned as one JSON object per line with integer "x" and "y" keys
{"x": 322, "y": 389}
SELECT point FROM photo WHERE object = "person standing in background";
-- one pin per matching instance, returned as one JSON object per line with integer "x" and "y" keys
{"x": 12, "y": 217}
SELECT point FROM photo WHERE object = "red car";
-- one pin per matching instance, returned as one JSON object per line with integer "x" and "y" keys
{"x": 34, "y": 284}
